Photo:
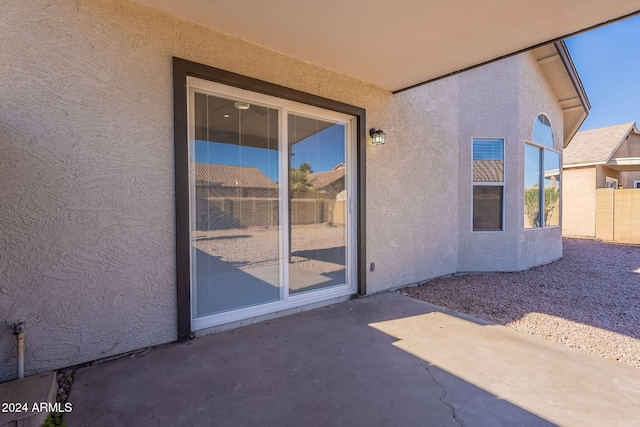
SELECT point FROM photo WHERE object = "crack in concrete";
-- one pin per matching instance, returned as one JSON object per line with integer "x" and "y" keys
{"x": 453, "y": 411}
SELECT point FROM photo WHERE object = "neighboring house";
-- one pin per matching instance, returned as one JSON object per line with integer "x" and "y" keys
{"x": 115, "y": 238}
{"x": 330, "y": 189}
{"x": 596, "y": 159}
{"x": 218, "y": 180}
{"x": 229, "y": 196}
{"x": 331, "y": 181}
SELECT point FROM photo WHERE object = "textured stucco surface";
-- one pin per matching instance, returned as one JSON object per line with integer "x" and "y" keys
{"x": 630, "y": 147}
{"x": 604, "y": 172}
{"x": 86, "y": 136}
{"x": 488, "y": 109}
{"x": 628, "y": 178}
{"x": 411, "y": 186}
{"x": 541, "y": 245}
{"x": 579, "y": 202}
{"x": 87, "y": 164}
{"x": 502, "y": 100}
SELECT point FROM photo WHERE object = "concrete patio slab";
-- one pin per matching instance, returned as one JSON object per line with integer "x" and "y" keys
{"x": 384, "y": 360}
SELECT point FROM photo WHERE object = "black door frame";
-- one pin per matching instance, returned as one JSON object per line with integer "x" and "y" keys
{"x": 181, "y": 70}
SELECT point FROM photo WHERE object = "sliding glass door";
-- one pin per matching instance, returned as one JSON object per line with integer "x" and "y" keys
{"x": 317, "y": 200}
{"x": 234, "y": 203}
{"x": 271, "y": 204}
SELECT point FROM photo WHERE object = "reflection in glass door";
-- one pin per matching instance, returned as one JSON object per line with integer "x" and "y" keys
{"x": 234, "y": 204}
{"x": 270, "y": 190}
{"x": 317, "y": 202}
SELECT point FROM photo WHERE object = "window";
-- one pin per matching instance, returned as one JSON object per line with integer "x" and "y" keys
{"x": 541, "y": 177}
{"x": 636, "y": 184}
{"x": 488, "y": 184}
{"x": 611, "y": 182}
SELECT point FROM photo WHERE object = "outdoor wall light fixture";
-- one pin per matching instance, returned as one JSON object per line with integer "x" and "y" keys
{"x": 377, "y": 136}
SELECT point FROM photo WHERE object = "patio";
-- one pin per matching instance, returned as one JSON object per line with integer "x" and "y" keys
{"x": 382, "y": 360}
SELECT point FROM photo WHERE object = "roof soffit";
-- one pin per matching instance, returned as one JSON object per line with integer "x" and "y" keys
{"x": 395, "y": 45}
{"x": 555, "y": 62}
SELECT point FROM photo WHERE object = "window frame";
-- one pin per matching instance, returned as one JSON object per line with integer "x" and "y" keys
{"x": 542, "y": 147}
{"x": 181, "y": 70}
{"x": 490, "y": 184}
{"x": 636, "y": 183}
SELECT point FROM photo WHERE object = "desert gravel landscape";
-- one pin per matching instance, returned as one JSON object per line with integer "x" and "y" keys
{"x": 587, "y": 300}
{"x": 315, "y": 247}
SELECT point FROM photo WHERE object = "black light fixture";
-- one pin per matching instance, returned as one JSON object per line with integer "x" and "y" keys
{"x": 377, "y": 136}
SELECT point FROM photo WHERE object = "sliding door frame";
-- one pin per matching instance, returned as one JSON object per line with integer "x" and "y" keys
{"x": 181, "y": 70}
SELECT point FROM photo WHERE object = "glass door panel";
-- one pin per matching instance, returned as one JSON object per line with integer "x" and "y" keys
{"x": 317, "y": 203}
{"x": 551, "y": 188}
{"x": 235, "y": 193}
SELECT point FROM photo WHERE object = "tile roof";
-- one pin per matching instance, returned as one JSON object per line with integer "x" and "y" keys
{"x": 595, "y": 145}
{"x": 322, "y": 179}
{"x": 227, "y": 176}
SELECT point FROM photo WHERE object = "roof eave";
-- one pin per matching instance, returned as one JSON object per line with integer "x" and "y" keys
{"x": 624, "y": 138}
{"x": 582, "y": 165}
{"x": 563, "y": 51}
{"x": 569, "y": 66}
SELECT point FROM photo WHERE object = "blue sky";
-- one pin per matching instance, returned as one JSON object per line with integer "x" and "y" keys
{"x": 608, "y": 62}
{"x": 322, "y": 151}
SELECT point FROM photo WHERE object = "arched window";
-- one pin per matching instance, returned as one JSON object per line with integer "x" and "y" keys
{"x": 542, "y": 170}
{"x": 542, "y": 131}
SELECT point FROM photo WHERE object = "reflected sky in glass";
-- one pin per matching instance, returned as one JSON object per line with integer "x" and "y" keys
{"x": 531, "y": 166}
{"x": 332, "y": 140}
{"x": 542, "y": 131}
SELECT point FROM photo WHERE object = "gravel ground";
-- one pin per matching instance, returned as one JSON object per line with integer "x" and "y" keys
{"x": 588, "y": 300}
{"x": 315, "y": 247}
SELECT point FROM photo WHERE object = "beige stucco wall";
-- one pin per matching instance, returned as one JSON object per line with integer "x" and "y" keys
{"x": 541, "y": 245}
{"x": 579, "y": 202}
{"x": 633, "y": 145}
{"x": 86, "y": 130}
{"x": 488, "y": 108}
{"x": 627, "y": 178}
{"x": 411, "y": 181}
{"x": 503, "y": 100}
{"x": 604, "y": 172}
{"x": 630, "y": 147}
